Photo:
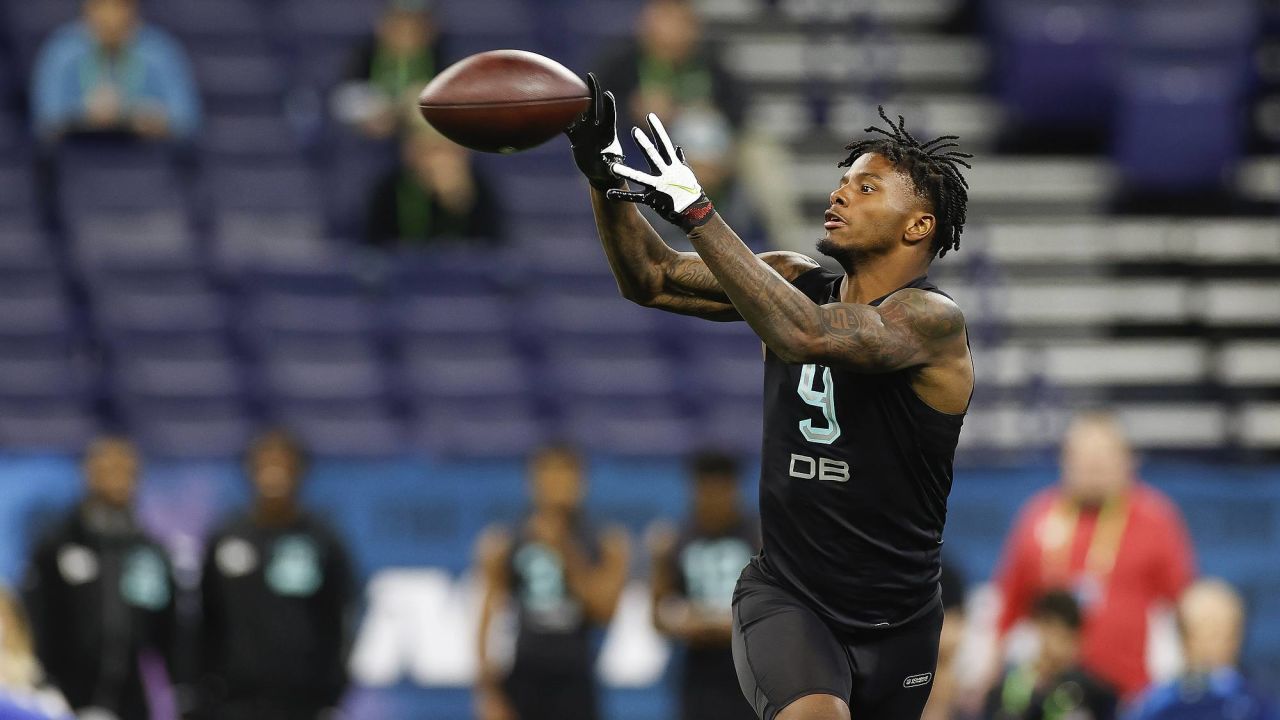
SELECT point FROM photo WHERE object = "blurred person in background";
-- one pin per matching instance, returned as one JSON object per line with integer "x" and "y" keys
{"x": 100, "y": 596}
{"x": 278, "y": 600}
{"x": 943, "y": 699}
{"x": 693, "y": 576}
{"x": 391, "y": 68}
{"x": 668, "y": 68}
{"x": 1053, "y": 686}
{"x": 110, "y": 72}
{"x": 1119, "y": 546}
{"x": 435, "y": 195}
{"x": 1211, "y": 621}
{"x": 564, "y": 578}
{"x": 24, "y": 694}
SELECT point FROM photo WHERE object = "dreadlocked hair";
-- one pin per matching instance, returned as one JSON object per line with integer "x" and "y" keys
{"x": 934, "y": 168}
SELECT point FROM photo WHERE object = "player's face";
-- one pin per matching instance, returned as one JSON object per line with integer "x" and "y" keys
{"x": 715, "y": 501}
{"x": 111, "y": 471}
{"x": 112, "y": 21}
{"x": 1059, "y": 645}
{"x": 871, "y": 209}
{"x": 274, "y": 469}
{"x": 557, "y": 482}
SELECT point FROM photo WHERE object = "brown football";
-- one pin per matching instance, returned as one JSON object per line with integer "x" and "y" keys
{"x": 503, "y": 100}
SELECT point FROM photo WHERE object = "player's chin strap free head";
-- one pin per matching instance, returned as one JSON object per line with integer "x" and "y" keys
{"x": 673, "y": 191}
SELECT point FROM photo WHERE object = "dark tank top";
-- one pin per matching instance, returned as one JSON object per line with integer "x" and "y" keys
{"x": 856, "y": 470}
{"x": 554, "y": 635}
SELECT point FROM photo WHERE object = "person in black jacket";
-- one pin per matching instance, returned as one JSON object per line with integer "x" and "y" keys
{"x": 100, "y": 596}
{"x": 277, "y": 593}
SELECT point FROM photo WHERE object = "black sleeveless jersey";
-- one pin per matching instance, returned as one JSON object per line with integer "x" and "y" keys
{"x": 553, "y": 633}
{"x": 707, "y": 569}
{"x": 855, "y": 474}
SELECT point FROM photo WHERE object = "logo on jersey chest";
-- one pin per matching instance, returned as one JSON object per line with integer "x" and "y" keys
{"x": 808, "y": 468}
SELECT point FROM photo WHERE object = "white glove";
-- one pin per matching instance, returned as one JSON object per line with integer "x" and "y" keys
{"x": 674, "y": 191}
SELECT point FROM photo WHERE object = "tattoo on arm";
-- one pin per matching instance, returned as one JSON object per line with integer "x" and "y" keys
{"x": 907, "y": 329}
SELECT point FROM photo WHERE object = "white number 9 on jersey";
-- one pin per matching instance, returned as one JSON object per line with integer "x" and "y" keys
{"x": 825, "y": 399}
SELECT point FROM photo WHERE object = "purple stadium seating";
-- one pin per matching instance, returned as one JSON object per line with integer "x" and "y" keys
{"x": 17, "y": 190}
{"x": 469, "y": 428}
{"x": 343, "y": 429}
{"x": 1179, "y": 127}
{"x": 191, "y": 430}
{"x": 220, "y": 25}
{"x": 634, "y": 427}
{"x": 451, "y": 316}
{"x": 495, "y": 372}
{"x": 34, "y": 377}
{"x": 159, "y": 311}
{"x": 250, "y": 138}
{"x": 1072, "y": 42}
{"x": 273, "y": 314}
{"x": 29, "y": 23}
{"x": 735, "y": 424}
{"x": 191, "y": 376}
{"x": 62, "y": 427}
{"x": 344, "y": 375}
{"x": 239, "y": 82}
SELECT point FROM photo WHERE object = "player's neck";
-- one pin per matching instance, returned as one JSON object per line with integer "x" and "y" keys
{"x": 875, "y": 278}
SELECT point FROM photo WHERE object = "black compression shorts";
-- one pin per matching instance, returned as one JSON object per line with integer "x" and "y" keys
{"x": 783, "y": 651}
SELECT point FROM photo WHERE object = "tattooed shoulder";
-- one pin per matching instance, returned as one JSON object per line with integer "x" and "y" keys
{"x": 790, "y": 265}
{"x": 928, "y": 315}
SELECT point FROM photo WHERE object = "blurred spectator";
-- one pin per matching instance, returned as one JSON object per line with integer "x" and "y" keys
{"x": 693, "y": 577}
{"x": 436, "y": 194}
{"x": 1053, "y": 686}
{"x": 943, "y": 697}
{"x": 111, "y": 72}
{"x": 668, "y": 69}
{"x": 390, "y": 69}
{"x": 1211, "y": 621}
{"x": 564, "y": 578}
{"x": 278, "y": 600}
{"x": 1120, "y": 546}
{"x": 23, "y": 692}
{"x": 100, "y": 594}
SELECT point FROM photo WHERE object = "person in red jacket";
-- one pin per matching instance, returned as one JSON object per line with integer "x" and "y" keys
{"x": 1118, "y": 545}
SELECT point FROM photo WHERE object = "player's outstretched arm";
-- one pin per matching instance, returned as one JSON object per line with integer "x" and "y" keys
{"x": 648, "y": 271}
{"x": 911, "y": 328}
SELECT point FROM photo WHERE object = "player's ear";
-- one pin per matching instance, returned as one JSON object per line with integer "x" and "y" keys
{"x": 919, "y": 228}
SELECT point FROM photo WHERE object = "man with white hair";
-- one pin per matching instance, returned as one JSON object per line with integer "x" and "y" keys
{"x": 1211, "y": 620}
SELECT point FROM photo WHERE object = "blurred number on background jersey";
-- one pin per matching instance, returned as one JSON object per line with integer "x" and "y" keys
{"x": 543, "y": 578}
{"x": 711, "y": 569}
{"x": 824, "y": 399}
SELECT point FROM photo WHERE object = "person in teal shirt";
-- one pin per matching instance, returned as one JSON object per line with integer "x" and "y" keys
{"x": 111, "y": 72}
